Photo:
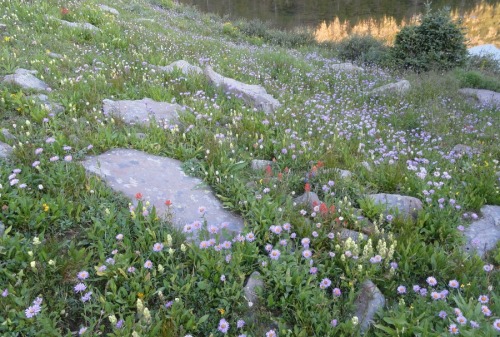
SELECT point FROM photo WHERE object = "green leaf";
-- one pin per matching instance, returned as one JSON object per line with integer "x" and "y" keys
{"x": 203, "y": 319}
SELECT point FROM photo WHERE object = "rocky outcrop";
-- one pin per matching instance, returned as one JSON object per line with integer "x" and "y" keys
{"x": 5, "y": 150}
{"x": 159, "y": 179}
{"x": 253, "y": 95}
{"x": 108, "y": 9}
{"x": 401, "y": 87}
{"x": 183, "y": 66}
{"x": 482, "y": 235}
{"x": 143, "y": 111}
{"x": 483, "y": 97}
{"x": 346, "y": 67}
{"x": 369, "y": 301}
{"x": 26, "y": 80}
{"x": 405, "y": 206}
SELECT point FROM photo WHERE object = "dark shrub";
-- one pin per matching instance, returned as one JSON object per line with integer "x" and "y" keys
{"x": 437, "y": 43}
{"x": 363, "y": 48}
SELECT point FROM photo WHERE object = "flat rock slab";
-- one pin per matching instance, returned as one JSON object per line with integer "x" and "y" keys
{"x": 185, "y": 67}
{"x": 26, "y": 80}
{"x": 405, "y": 206}
{"x": 399, "y": 88}
{"x": 159, "y": 179}
{"x": 50, "y": 106}
{"x": 78, "y": 25}
{"x": 253, "y": 95}
{"x": 5, "y": 150}
{"x": 482, "y": 235}
{"x": 110, "y": 10}
{"x": 369, "y": 301}
{"x": 260, "y": 164}
{"x": 485, "y": 97}
{"x": 308, "y": 199}
{"x": 346, "y": 67}
{"x": 143, "y": 111}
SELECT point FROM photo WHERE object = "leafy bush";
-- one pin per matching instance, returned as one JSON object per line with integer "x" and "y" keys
{"x": 364, "y": 48}
{"x": 476, "y": 79}
{"x": 256, "y": 28}
{"x": 437, "y": 43}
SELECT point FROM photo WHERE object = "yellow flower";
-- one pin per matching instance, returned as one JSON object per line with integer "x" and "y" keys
{"x": 140, "y": 295}
{"x": 221, "y": 311}
{"x": 45, "y": 207}
{"x": 7, "y": 38}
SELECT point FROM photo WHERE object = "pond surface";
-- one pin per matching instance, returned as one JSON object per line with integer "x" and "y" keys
{"x": 336, "y": 19}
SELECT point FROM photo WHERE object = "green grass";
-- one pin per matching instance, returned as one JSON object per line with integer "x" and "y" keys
{"x": 60, "y": 221}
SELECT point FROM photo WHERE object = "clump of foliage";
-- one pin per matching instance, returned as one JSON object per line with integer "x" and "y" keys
{"x": 476, "y": 79}
{"x": 363, "y": 48}
{"x": 258, "y": 29}
{"x": 438, "y": 43}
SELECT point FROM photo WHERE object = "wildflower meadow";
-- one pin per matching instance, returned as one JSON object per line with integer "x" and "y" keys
{"x": 306, "y": 251}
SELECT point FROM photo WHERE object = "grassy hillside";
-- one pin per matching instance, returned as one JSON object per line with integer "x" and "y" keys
{"x": 77, "y": 258}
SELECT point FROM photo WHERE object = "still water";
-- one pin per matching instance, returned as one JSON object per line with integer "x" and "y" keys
{"x": 336, "y": 19}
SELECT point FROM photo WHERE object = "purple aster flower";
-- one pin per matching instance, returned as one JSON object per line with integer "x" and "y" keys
{"x": 325, "y": 283}
{"x": 453, "y": 329}
{"x": 333, "y": 323}
{"x": 223, "y": 326}
{"x": 80, "y": 287}
{"x": 5, "y": 292}
{"x": 431, "y": 281}
{"x": 119, "y": 324}
{"x": 336, "y": 292}
{"x": 148, "y": 264}
{"x": 483, "y": 299}
{"x": 32, "y": 311}
{"x": 86, "y": 297}
{"x": 275, "y": 254}
{"x": 82, "y": 330}
{"x": 82, "y": 275}
{"x": 442, "y": 314}
{"x": 416, "y": 288}
{"x": 271, "y": 333}
{"x": 240, "y": 323}
{"x": 461, "y": 320}
{"x": 168, "y": 304}
{"x": 496, "y": 324}
{"x": 157, "y": 247}
{"x": 474, "y": 324}
{"x": 453, "y": 284}
{"x": 401, "y": 290}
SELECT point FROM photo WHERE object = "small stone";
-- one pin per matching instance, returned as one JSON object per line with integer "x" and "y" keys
{"x": 254, "y": 287}
{"x": 369, "y": 301}
{"x": 483, "y": 234}
{"x": 110, "y": 10}
{"x": 5, "y": 150}
{"x": 26, "y": 80}
{"x": 6, "y": 133}
{"x": 400, "y": 87}
{"x": 143, "y": 111}
{"x": 355, "y": 236}
{"x": 260, "y": 164}
{"x": 55, "y": 55}
{"x": 309, "y": 199}
{"x": 406, "y": 206}
{"x": 140, "y": 135}
{"x": 48, "y": 105}
{"x": 484, "y": 97}
{"x": 185, "y": 67}
{"x": 253, "y": 95}
{"x": 3, "y": 27}
{"x": 344, "y": 174}
{"x": 346, "y": 67}
{"x": 461, "y": 149}
{"x": 78, "y": 25}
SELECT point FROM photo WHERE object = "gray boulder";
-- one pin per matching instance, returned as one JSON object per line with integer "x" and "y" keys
{"x": 55, "y": 55}
{"x": 185, "y": 67}
{"x": 253, "y": 95}
{"x": 3, "y": 27}
{"x": 369, "y": 301}
{"x": 78, "y": 25}
{"x": 346, "y": 67}
{"x": 6, "y": 133}
{"x": 108, "y": 9}
{"x": 143, "y": 111}
{"x": 355, "y": 236}
{"x": 484, "y": 97}
{"x": 25, "y": 79}
{"x": 50, "y": 106}
{"x": 260, "y": 164}
{"x": 483, "y": 234}
{"x": 159, "y": 179}
{"x": 405, "y": 206}
{"x": 308, "y": 199}
{"x": 400, "y": 88}
{"x": 5, "y": 150}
